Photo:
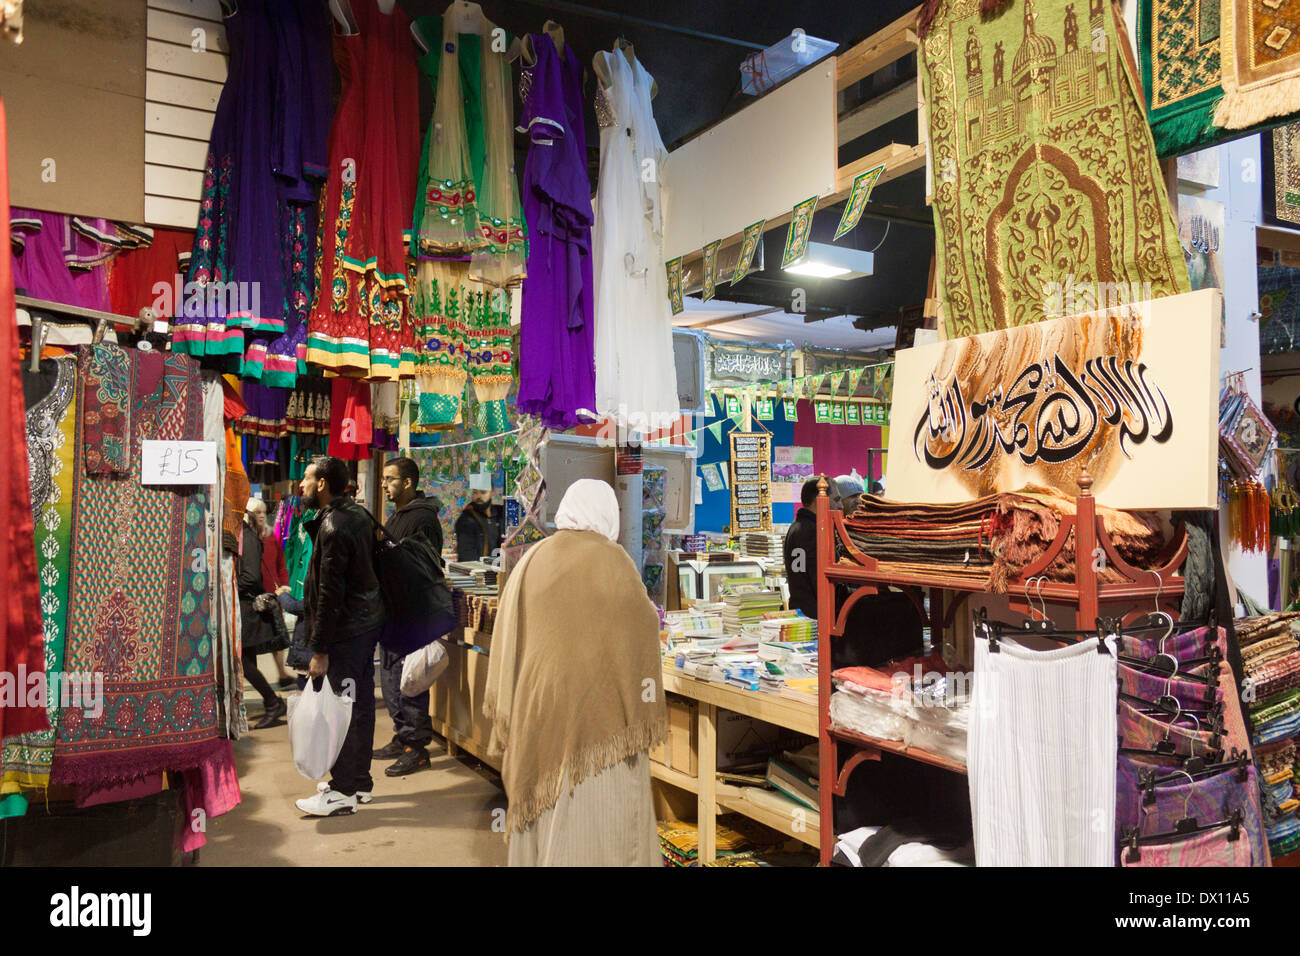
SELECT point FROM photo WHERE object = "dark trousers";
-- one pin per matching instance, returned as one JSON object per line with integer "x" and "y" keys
{"x": 354, "y": 660}
{"x": 260, "y": 683}
{"x": 412, "y": 724}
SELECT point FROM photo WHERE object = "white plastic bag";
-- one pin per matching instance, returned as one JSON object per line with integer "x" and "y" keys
{"x": 421, "y": 668}
{"x": 318, "y": 722}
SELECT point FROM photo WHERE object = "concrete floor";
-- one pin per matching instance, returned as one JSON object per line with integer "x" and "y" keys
{"x": 442, "y": 816}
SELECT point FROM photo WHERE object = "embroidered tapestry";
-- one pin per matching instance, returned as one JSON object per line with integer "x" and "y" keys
{"x": 1280, "y": 152}
{"x": 1044, "y": 175}
{"x": 1261, "y": 62}
{"x": 139, "y": 608}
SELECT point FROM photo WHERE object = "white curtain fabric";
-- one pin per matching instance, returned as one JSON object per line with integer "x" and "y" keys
{"x": 1041, "y": 755}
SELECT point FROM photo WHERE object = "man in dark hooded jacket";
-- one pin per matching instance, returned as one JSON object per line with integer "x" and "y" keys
{"x": 413, "y": 514}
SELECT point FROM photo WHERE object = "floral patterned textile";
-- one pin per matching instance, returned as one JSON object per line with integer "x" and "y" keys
{"x": 1204, "y": 849}
{"x": 139, "y": 609}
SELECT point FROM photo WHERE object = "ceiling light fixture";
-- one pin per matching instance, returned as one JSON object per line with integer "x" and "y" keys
{"x": 824, "y": 261}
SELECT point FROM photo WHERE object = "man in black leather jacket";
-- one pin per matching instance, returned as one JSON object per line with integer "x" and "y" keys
{"x": 345, "y": 616}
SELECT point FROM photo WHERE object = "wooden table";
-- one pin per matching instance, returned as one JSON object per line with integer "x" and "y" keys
{"x": 713, "y": 797}
{"x": 456, "y": 698}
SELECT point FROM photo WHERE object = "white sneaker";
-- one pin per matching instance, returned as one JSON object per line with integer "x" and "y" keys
{"x": 363, "y": 796}
{"x": 327, "y": 803}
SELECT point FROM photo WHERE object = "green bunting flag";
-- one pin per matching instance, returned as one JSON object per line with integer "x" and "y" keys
{"x": 859, "y": 194}
{"x": 796, "y": 240}
{"x": 748, "y": 246}
{"x": 791, "y": 409}
{"x": 710, "y": 270}
{"x": 715, "y": 430}
{"x": 836, "y": 380}
{"x": 764, "y": 410}
{"x": 855, "y": 376}
{"x": 675, "y": 285}
{"x": 733, "y": 407}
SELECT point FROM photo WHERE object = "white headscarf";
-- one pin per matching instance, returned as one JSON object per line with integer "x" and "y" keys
{"x": 589, "y": 505}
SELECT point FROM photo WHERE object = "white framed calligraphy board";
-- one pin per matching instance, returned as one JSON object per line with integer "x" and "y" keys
{"x": 1130, "y": 395}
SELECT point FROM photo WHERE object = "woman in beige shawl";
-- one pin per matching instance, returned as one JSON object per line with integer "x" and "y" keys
{"x": 575, "y": 694}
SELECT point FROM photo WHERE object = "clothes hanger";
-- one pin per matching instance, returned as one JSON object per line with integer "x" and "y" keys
{"x": 342, "y": 11}
{"x": 1148, "y": 780}
{"x": 420, "y": 41}
{"x": 1185, "y": 827}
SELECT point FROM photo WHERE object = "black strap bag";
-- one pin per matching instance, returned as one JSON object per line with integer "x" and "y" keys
{"x": 415, "y": 591}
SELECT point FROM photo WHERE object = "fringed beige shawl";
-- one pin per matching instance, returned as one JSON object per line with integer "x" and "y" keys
{"x": 574, "y": 675}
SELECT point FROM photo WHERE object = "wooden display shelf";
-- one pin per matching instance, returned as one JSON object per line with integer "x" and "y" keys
{"x": 713, "y": 797}
{"x": 1026, "y": 593}
{"x": 872, "y": 747}
{"x": 456, "y": 698}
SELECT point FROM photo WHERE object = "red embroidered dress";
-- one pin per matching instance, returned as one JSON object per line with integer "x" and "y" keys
{"x": 360, "y": 323}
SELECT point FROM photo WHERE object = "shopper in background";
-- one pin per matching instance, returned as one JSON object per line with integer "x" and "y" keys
{"x": 345, "y": 615}
{"x": 800, "y": 547}
{"x": 479, "y": 527}
{"x": 413, "y": 514}
{"x": 575, "y": 696}
{"x": 275, "y": 579}
{"x": 851, "y": 489}
{"x": 258, "y": 633}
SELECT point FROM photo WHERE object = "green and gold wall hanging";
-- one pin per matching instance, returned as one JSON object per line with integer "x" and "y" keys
{"x": 859, "y": 194}
{"x": 1042, "y": 166}
{"x": 765, "y": 409}
{"x": 852, "y": 414}
{"x": 790, "y": 407}
{"x": 796, "y": 240}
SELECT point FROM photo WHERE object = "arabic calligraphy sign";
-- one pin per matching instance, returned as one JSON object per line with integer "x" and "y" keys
{"x": 1129, "y": 395}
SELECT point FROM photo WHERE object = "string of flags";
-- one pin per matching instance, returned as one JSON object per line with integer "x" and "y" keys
{"x": 796, "y": 241}
{"x": 449, "y": 462}
{"x": 821, "y": 390}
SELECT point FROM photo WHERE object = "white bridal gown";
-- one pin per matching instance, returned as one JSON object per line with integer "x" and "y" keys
{"x": 636, "y": 380}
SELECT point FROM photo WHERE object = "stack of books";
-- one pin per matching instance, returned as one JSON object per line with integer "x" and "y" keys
{"x": 788, "y": 626}
{"x": 761, "y": 544}
{"x": 746, "y": 604}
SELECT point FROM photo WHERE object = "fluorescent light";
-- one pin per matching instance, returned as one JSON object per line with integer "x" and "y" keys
{"x": 825, "y": 261}
{"x": 819, "y": 270}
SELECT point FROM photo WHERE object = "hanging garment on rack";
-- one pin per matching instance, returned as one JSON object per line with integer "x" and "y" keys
{"x": 1138, "y": 730}
{"x": 1206, "y": 799}
{"x": 134, "y": 275}
{"x": 1188, "y": 646}
{"x": 351, "y": 425}
{"x": 635, "y": 371}
{"x": 1041, "y": 755}
{"x": 557, "y": 371}
{"x": 139, "y": 609}
{"x": 468, "y": 200}
{"x": 360, "y": 320}
{"x": 51, "y": 416}
{"x": 1189, "y": 694}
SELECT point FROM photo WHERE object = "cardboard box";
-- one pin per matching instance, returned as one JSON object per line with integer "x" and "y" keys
{"x": 678, "y": 752}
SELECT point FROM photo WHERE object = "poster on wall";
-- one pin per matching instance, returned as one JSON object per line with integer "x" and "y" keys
{"x": 751, "y": 481}
{"x": 1129, "y": 395}
{"x": 1200, "y": 232}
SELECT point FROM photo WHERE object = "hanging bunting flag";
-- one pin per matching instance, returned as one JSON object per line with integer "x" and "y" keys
{"x": 710, "y": 270}
{"x": 812, "y": 387}
{"x": 859, "y": 194}
{"x": 853, "y": 414}
{"x": 791, "y": 408}
{"x": 713, "y": 411}
{"x": 837, "y": 413}
{"x": 836, "y": 380}
{"x": 855, "y": 376}
{"x": 675, "y": 285}
{"x": 748, "y": 246}
{"x": 796, "y": 240}
{"x": 715, "y": 430}
{"x": 765, "y": 410}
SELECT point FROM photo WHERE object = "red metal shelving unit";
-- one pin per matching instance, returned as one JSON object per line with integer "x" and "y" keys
{"x": 1087, "y": 595}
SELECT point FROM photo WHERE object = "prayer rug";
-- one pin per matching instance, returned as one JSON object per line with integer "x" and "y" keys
{"x": 1044, "y": 170}
{"x": 139, "y": 608}
{"x": 1280, "y": 153}
{"x": 1178, "y": 50}
{"x": 1261, "y": 62}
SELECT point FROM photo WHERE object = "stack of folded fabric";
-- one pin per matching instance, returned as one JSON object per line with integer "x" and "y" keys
{"x": 680, "y": 842}
{"x": 991, "y": 540}
{"x": 1270, "y": 657}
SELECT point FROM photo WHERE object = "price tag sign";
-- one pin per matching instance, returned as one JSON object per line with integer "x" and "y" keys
{"x": 178, "y": 463}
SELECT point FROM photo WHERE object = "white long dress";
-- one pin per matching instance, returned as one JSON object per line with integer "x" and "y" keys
{"x": 636, "y": 380}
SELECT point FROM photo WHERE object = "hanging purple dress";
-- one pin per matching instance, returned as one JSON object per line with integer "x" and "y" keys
{"x": 557, "y": 372}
